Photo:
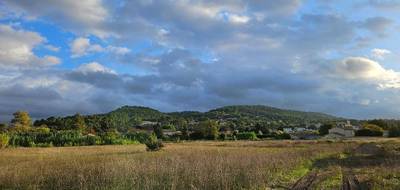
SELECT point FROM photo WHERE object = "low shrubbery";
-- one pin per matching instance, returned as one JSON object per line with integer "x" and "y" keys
{"x": 4, "y": 139}
{"x": 246, "y": 136}
{"x": 370, "y": 130}
{"x": 44, "y": 138}
{"x": 394, "y": 132}
{"x": 153, "y": 144}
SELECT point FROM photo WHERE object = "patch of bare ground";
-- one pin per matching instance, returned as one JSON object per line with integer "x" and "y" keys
{"x": 368, "y": 166}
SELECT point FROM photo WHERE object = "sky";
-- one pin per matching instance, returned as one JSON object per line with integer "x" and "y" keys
{"x": 64, "y": 57}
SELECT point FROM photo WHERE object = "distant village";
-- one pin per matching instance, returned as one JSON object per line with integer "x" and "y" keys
{"x": 342, "y": 129}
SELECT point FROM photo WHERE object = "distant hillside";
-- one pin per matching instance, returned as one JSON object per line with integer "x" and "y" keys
{"x": 243, "y": 115}
{"x": 269, "y": 113}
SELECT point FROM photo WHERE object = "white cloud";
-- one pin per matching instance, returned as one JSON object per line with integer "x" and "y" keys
{"x": 16, "y": 47}
{"x": 363, "y": 69}
{"x": 118, "y": 50}
{"x": 379, "y": 53}
{"x": 83, "y": 46}
{"x": 51, "y": 60}
{"x": 87, "y": 16}
{"x": 52, "y": 48}
{"x": 94, "y": 67}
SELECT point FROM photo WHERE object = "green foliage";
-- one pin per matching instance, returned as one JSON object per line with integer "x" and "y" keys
{"x": 208, "y": 129}
{"x": 3, "y": 127}
{"x": 79, "y": 124}
{"x": 141, "y": 137}
{"x": 111, "y": 137}
{"x": 4, "y": 139}
{"x": 282, "y": 136}
{"x": 324, "y": 129}
{"x": 21, "y": 121}
{"x": 370, "y": 130}
{"x": 380, "y": 123}
{"x": 153, "y": 144}
{"x": 247, "y": 136}
{"x": 394, "y": 132}
{"x": 158, "y": 130}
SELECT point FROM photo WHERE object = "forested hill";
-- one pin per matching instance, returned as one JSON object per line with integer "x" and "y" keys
{"x": 270, "y": 113}
{"x": 244, "y": 115}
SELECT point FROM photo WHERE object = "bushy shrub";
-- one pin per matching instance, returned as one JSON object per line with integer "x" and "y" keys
{"x": 67, "y": 138}
{"x": 141, "y": 137}
{"x": 247, "y": 136}
{"x": 394, "y": 132}
{"x": 111, "y": 138}
{"x": 283, "y": 136}
{"x": 92, "y": 140}
{"x": 24, "y": 139}
{"x": 153, "y": 144}
{"x": 223, "y": 136}
{"x": 4, "y": 139}
{"x": 370, "y": 130}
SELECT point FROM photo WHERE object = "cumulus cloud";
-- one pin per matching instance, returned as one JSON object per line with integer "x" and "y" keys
{"x": 94, "y": 67}
{"x": 82, "y": 46}
{"x": 377, "y": 25}
{"x": 360, "y": 68}
{"x": 379, "y": 53}
{"x": 16, "y": 48}
{"x": 86, "y": 16}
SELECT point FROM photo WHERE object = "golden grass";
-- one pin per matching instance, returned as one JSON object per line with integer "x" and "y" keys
{"x": 189, "y": 165}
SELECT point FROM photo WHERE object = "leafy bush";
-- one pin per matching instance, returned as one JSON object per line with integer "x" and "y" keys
{"x": 141, "y": 137}
{"x": 370, "y": 130}
{"x": 67, "y": 138}
{"x": 324, "y": 129}
{"x": 153, "y": 144}
{"x": 282, "y": 136}
{"x": 394, "y": 132}
{"x": 111, "y": 138}
{"x": 247, "y": 136}
{"x": 4, "y": 139}
{"x": 92, "y": 140}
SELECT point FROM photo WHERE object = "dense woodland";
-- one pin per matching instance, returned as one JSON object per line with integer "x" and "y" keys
{"x": 133, "y": 124}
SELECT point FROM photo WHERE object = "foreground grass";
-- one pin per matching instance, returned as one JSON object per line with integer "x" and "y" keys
{"x": 191, "y": 165}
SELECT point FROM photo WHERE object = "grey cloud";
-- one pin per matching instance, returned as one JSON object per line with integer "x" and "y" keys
{"x": 377, "y": 25}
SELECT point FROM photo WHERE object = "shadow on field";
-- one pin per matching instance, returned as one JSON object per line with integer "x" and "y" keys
{"x": 362, "y": 158}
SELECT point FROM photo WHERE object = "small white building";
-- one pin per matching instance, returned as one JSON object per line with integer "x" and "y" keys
{"x": 341, "y": 132}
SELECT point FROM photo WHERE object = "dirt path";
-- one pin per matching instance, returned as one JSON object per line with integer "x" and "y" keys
{"x": 350, "y": 181}
{"x": 306, "y": 181}
{"x": 310, "y": 180}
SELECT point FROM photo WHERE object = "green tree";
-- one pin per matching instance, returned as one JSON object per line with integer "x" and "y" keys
{"x": 4, "y": 139}
{"x": 79, "y": 123}
{"x": 370, "y": 130}
{"x": 209, "y": 129}
{"x": 3, "y": 127}
{"x": 379, "y": 122}
{"x": 324, "y": 129}
{"x": 153, "y": 144}
{"x": 21, "y": 121}
{"x": 158, "y": 130}
{"x": 394, "y": 132}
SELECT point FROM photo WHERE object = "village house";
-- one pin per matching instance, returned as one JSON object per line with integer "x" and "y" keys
{"x": 342, "y": 130}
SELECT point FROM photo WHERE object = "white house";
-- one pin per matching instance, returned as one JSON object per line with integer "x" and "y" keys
{"x": 342, "y": 130}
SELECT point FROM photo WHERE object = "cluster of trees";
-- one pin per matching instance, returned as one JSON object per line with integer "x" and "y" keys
{"x": 122, "y": 127}
{"x": 125, "y": 125}
{"x": 22, "y": 132}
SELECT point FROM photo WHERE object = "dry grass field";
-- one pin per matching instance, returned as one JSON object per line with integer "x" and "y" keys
{"x": 188, "y": 165}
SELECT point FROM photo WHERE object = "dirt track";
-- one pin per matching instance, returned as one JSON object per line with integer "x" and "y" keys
{"x": 349, "y": 179}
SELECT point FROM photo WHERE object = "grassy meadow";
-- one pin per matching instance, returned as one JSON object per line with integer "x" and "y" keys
{"x": 193, "y": 165}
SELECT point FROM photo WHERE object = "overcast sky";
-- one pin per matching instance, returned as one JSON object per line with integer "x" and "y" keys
{"x": 90, "y": 56}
